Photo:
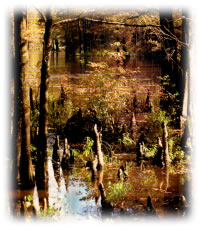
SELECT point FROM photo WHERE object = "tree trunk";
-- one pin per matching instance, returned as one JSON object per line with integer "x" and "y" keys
{"x": 170, "y": 66}
{"x": 185, "y": 70}
{"x": 169, "y": 46}
{"x": 22, "y": 110}
{"x": 99, "y": 151}
{"x": 42, "y": 165}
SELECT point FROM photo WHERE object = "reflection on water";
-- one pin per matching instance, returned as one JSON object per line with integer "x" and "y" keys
{"x": 73, "y": 193}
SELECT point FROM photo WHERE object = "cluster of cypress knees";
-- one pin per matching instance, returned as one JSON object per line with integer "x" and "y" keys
{"x": 66, "y": 158}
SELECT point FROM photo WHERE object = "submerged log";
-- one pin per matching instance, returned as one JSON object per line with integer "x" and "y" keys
{"x": 99, "y": 150}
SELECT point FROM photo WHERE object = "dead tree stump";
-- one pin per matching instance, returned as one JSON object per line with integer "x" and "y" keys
{"x": 133, "y": 125}
{"x": 56, "y": 151}
{"x": 99, "y": 151}
{"x": 165, "y": 145}
{"x": 158, "y": 159}
{"x": 66, "y": 154}
{"x": 140, "y": 155}
{"x": 148, "y": 104}
{"x": 122, "y": 172}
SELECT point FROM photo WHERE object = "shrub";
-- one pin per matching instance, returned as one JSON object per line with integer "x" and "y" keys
{"x": 153, "y": 130}
{"x": 117, "y": 190}
{"x": 87, "y": 148}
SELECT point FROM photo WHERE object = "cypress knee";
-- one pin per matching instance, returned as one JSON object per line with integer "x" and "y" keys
{"x": 56, "y": 152}
{"x": 99, "y": 151}
{"x": 165, "y": 145}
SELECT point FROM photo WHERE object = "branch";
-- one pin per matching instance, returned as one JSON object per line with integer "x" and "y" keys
{"x": 65, "y": 21}
{"x": 137, "y": 16}
{"x": 121, "y": 23}
{"x": 104, "y": 22}
{"x": 170, "y": 35}
{"x": 41, "y": 14}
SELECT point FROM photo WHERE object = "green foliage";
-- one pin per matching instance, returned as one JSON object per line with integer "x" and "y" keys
{"x": 34, "y": 118}
{"x": 28, "y": 198}
{"x": 87, "y": 153}
{"x": 151, "y": 151}
{"x": 177, "y": 155}
{"x": 108, "y": 148}
{"x": 117, "y": 190}
{"x": 52, "y": 211}
{"x": 33, "y": 153}
{"x": 170, "y": 101}
{"x": 154, "y": 130}
{"x": 104, "y": 91}
{"x": 154, "y": 126}
{"x": 126, "y": 140}
{"x": 75, "y": 152}
{"x": 87, "y": 149}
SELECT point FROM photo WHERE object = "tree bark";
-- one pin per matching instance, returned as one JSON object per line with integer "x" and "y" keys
{"x": 185, "y": 69}
{"x": 42, "y": 165}
{"x": 22, "y": 109}
{"x": 99, "y": 151}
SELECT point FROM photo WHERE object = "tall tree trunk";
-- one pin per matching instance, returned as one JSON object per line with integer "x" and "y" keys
{"x": 186, "y": 56}
{"x": 42, "y": 164}
{"x": 169, "y": 46}
{"x": 185, "y": 68}
{"x": 22, "y": 109}
{"x": 170, "y": 65}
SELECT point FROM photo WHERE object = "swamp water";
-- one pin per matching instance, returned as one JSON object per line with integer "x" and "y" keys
{"x": 72, "y": 193}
